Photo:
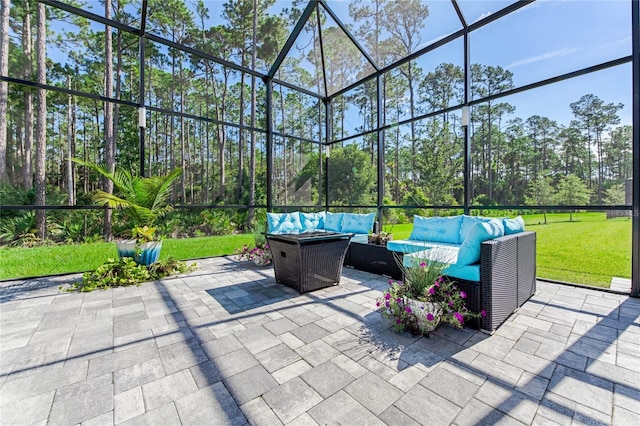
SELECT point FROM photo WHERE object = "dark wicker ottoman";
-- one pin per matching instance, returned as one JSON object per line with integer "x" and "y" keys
{"x": 375, "y": 259}
{"x": 308, "y": 261}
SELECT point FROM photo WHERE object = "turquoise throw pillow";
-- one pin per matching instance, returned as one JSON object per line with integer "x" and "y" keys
{"x": 312, "y": 221}
{"x": 333, "y": 221}
{"x": 284, "y": 223}
{"x": 437, "y": 229}
{"x": 469, "y": 252}
{"x": 358, "y": 223}
{"x": 513, "y": 226}
{"x": 273, "y": 219}
{"x": 467, "y": 224}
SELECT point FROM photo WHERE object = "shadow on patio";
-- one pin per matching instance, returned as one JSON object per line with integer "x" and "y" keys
{"x": 228, "y": 345}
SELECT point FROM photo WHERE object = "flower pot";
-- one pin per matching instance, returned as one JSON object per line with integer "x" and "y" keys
{"x": 143, "y": 254}
{"x": 261, "y": 262}
{"x": 422, "y": 312}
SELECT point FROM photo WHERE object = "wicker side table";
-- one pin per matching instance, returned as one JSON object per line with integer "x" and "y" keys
{"x": 308, "y": 261}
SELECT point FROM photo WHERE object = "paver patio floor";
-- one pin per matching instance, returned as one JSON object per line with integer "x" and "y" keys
{"x": 226, "y": 344}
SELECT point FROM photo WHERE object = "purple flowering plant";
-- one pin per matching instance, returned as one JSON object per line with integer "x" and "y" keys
{"x": 260, "y": 254}
{"x": 424, "y": 300}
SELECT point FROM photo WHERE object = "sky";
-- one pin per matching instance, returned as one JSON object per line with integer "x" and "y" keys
{"x": 542, "y": 40}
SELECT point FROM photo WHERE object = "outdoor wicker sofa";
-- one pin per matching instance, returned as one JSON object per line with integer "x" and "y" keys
{"x": 501, "y": 276}
{"x": 507, "y": 279}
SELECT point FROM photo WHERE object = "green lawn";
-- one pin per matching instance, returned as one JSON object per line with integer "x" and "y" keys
{"x": 39, "y": 261}
{"x": 589, "y": 250}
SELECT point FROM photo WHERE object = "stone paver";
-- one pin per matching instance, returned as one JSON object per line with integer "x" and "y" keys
{"x": 227, "y": 345}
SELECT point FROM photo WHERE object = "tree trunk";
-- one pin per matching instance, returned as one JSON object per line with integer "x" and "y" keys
{"x": 183, "y": 148}
{"x": 41, "y": 122}
{"x": 27, "y": 72}
{"x": 4, "y": 88}
{"x": 70, "y": 144}
{"x": 109, "y": 145}
{"x": 241, "y": 140}
{"x": 252, "y": 160}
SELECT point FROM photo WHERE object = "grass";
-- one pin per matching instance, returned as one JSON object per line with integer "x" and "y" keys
{"x": 588, "y": 250}
{"x": 40, "y": 261}
{"x": 591, "y": 250}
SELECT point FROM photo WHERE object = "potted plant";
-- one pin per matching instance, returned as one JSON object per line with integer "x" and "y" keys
{"x": 145, "y": 199}
{"x": 380, "y": 239}
{"x": 260, "y": 254}
{"x": 424, "y": 300}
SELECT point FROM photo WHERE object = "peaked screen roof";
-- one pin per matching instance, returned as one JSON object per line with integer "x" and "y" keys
{"x": 321, "y": 46}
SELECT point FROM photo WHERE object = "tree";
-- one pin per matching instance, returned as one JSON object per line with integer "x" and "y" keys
{"x": 541, "y": 193}
{"x": 27, "y": 72}
{"x": 404, "y": 20}
{"x": 41, "y": 122}
{"x": 618, "y": 154}
{"x": 109, "y": 140}
{"x": 489, "y": 81}
{"x": 543, "y": 135}
{"x": 369, "y": 16}
{"x": 572, "y": 192}
{"x": 351, "y": 178}
{"x": 615, "y": 195}
{"x": 594, "y": 116}
{"x": 572, "y": 150}
{"x": 4, "y": 87}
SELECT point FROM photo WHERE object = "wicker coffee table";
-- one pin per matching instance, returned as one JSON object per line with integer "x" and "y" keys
{"x": 308, "y": 261}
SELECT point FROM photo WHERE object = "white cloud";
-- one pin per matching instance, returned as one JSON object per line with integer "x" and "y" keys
{"x": 545, "y": 56}
{"x": 484, "y": 15}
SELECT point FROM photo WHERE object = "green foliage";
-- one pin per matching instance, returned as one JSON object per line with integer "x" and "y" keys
{"x": 352, "y": 177}
{"x": 13, "y": 195}
{"x": 125, "y": 272}
{"x": 572, "y": 191}
{"x": 421, "y": 275}
{"x": 143, "y": 234}
{"x": 615, "y": 195}
{"x": 195, "y": 223}
{"x": 144, "y": 198}
{"x": 541, "y": 193}
{"x": 16, "y": 230}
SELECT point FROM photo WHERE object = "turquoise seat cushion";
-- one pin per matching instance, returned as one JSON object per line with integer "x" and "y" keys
{"x": 440, "y": 254}
{"x": 438, "y": 229}
{"x": 411, "y": 246}
{"x": 467, "y": 224}
{"x": 513, "y": 226}
{"x": 360, "y": 238}
{"x": 464, "y": 272}
{"x": 284, "y": 223}
{"x": 333, "y": 221}
{"x": 447, "y": 255}
{"x": 481, "y": 231}
{"x": 358, "y": 223}
{"x": 312, "y": 221}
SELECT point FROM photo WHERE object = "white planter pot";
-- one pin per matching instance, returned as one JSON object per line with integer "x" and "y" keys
{"x": 148, "y": 252}
{"x": 420, "y": 311}
{"x": 261, "y": 262}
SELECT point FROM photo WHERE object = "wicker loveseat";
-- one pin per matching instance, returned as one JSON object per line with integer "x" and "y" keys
{"x": 501, "y": 278}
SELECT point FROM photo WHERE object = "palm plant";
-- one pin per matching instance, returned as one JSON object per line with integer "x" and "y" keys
{"x": 144, "y": 198}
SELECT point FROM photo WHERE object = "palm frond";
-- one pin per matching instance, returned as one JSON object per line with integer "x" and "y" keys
{"x": 164, "y": 188}
{"x": 110, "y": 200}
